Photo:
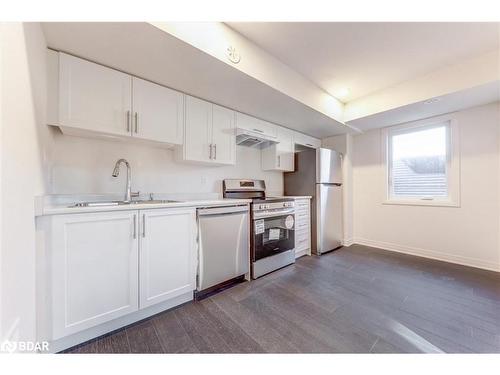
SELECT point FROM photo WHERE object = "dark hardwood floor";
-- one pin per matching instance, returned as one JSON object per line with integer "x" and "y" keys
{"x": 354, "y": 300}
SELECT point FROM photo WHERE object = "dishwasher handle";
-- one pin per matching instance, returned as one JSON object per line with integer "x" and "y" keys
{"x": 223, "y": 210}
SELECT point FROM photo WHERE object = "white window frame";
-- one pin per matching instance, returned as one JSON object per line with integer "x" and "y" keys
{"x": 452, "y": 162}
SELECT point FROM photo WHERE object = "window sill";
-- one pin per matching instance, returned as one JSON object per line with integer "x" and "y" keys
{"x": 435, "y": 203}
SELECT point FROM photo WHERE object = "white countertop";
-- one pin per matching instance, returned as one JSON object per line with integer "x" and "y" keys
{"x": 293, "y": 196}
{"x": 66, "y": 208}
{"x": 64, "y": 204}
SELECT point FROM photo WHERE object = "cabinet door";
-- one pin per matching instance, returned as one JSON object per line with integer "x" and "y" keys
{"x": 198, "y": 124}
{"x": 285, "y": 150}
{"x": 94, "y": 269}
{"x": 279, "y": 157}
{"x": 255, "y": 125}
{"x": 93, "y": 97}
{"x": 167, "y": 254}
{"x": 306, "y": 140}
{"x": 158, "y": 112}
{"x": 302, "y": 227}
{"x": 223, "y": 135}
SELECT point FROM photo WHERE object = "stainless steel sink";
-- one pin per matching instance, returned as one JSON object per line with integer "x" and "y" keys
{"x": 120, "y": 203}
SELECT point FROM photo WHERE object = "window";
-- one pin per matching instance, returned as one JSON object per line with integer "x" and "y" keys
{"x": 421, "y": 165}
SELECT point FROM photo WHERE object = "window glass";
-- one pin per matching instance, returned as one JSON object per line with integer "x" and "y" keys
{"x": 418, "y": 163}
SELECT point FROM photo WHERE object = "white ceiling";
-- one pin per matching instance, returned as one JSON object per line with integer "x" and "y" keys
{"x": 471, "y": 97}
{"x": 367, "y": 57}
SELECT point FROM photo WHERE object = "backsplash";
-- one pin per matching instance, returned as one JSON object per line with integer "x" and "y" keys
{"x": 84, "y": 166}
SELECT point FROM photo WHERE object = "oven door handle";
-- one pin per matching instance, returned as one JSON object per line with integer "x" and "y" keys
{"x": 262, "y": 215}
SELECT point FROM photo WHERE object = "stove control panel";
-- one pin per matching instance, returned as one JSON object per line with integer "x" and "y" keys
{"x": 273, "y": 205}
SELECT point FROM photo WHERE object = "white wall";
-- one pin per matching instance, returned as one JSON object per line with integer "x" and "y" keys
{"x": 466, "y": 235}
{"x": 23, "y": 162}
{"x": 83, "y": 165}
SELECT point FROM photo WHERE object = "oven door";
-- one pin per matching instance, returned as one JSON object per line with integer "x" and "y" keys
{"x": 273, "y": 234}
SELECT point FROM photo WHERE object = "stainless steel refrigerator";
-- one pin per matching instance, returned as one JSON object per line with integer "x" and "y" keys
{"x": 318, "y": 173}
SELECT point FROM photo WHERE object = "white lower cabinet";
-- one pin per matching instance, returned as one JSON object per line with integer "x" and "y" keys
{"x": 302, "y": 227}
{"x": 106, "y": 265}
{"x": 167, "y": 254}
{"x": 94, "y": 269}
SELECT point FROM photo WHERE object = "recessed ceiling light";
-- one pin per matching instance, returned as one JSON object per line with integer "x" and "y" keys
{"x": 342, "y": 93}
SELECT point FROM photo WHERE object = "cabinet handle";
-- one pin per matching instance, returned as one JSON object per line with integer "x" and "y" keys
{"x": 215, "y": 151}
{"x": 211, "y": 146}
{"x": 128, "y": 121}
{"x": 258, "y": 130}
{"x": 308, "y": 144}
{"x": 135, "y": 226}
{"x": 279, "y": 161}
{"x": 143, "y": 225}
{"x": 136, "y": 121}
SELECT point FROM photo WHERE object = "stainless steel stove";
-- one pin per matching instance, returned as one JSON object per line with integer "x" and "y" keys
{"x": 272, "y": 240}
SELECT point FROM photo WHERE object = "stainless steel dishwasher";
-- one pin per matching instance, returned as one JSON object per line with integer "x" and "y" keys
{"x": 224, "y": 245}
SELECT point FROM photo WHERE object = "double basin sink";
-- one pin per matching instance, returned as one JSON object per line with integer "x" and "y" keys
{"x": 121, "y": 203}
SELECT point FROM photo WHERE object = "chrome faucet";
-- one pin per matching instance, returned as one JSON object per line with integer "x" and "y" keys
{"x": 116, "y": 171}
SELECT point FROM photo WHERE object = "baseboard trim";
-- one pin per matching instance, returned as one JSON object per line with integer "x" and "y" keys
{"x": 347, "y": 242}
{"x": 430, "y": 254}
{"x": 302, "y": 253}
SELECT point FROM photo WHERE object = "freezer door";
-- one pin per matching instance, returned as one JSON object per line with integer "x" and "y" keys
{"x": 328, "y": 166}
{"x": 329, "y": 230}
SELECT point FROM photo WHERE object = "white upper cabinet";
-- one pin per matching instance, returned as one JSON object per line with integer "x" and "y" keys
{"x": 96, "y": 100}
{"x": 197, "y": 130}
{"x": 167, "y": 254}
{"x": 306, "y": 140}
{"x": 158, "y": 112}
{"x": 93, "y": 97}
{"x": 280, "y": 157}
{"x": 209, "y": 133}
{"x": 88, "y": 99}
{"x": 255, "y": 125}
{"x": 223, "y": 135}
